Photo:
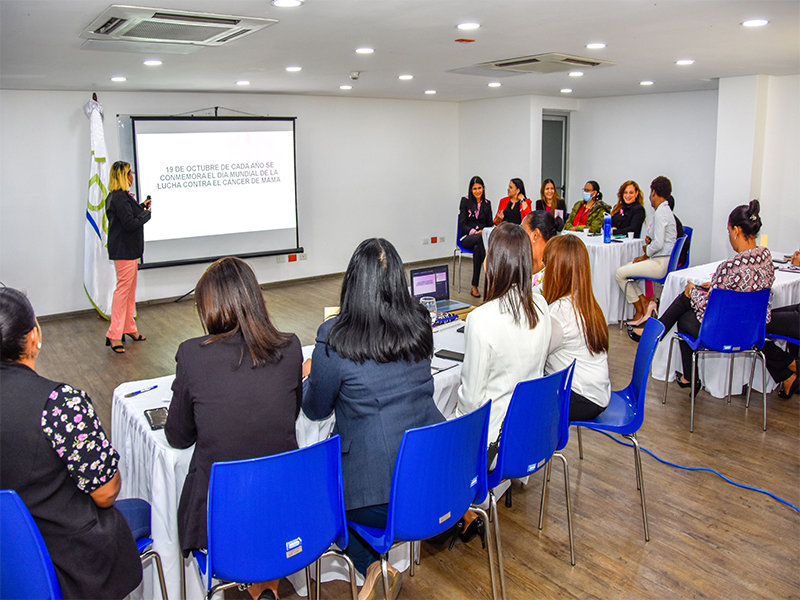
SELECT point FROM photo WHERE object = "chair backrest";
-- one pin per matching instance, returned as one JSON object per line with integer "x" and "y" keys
{"x": 653, "y": 330}
{"x": 676, "y": 253}
{"x": 535, "y": 426}
{"x": 26, "y": 570}
{"x": 458, "y": 237}
{"x": 748, "y": 310}
{"x": 272, "y": 516}
{"x": 683, "y": 261}
{"x": 440, "y": 470}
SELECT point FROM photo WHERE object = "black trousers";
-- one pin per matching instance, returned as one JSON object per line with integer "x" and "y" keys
{"x": 582, "y": 409}
{"x": 785, "y": 321}
{"x": 680, "y": 312}
{"x": 474, "y": 243}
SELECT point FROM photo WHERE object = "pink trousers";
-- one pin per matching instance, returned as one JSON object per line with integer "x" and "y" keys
{"x": 123, "y": 305}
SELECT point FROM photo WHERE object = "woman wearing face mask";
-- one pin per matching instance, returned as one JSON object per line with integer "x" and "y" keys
{"x": 628, "y": 214}
{"x": 474, "y": 214}
{"x": 589, "y": 211}
{"x": 515, "y": 206}
{"x": 552, "y": 202}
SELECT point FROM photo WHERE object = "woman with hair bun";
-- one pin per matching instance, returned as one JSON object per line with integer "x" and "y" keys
{"x": 541, "y": 227}
{"x": 749, "y": 271}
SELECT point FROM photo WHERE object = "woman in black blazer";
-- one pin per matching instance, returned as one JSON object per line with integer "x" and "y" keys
{"x": 236, "y": 395}
{"x": 551, "y": 201}
{"x": 372, "y": 367}
{"x": 628, "y": 214}
{"x": 474, "y": 213}
{"x": 126, "y": 219}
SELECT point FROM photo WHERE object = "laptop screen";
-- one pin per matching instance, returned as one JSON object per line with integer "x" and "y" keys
{"x": 430, "y": 281}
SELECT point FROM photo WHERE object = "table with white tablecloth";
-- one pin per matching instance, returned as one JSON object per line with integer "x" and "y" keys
{"x": 605, "y": 259}
{"x": 714, "y": 369}
{"x": 153, "y": 470}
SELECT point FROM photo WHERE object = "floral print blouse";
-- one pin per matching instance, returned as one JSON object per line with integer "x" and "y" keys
{"x": 748, "y": 271}
{"x": 70, "y": 423}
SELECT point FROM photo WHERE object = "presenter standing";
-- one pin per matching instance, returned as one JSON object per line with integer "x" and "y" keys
{"x": 126, "y": 219}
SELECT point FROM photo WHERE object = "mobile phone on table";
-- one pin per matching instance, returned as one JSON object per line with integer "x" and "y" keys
{"x": 157, "y": 417}
{"x": 450, "y": 355}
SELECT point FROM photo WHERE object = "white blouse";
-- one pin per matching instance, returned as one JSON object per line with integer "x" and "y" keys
{"x": 591, "y": 379}
{"x": 499, "y": 354}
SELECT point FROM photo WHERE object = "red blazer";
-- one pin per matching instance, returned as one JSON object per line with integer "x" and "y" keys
{"x": 523, "y": 210}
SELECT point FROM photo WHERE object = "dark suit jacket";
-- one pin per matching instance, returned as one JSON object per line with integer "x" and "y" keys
{"x": 629, "y": 218}
{"x": 126, "y": 219}
{"x": 374, "y": 403}
{"x": 229, "y": 413}
{"x": 469, "y": 218}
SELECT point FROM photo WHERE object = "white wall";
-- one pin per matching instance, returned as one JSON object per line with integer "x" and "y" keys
{"x": 364, "y": 168}
{"x": 641, "y": 137}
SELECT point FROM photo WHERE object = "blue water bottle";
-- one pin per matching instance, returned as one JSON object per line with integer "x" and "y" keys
{"x": 606, "y": 228}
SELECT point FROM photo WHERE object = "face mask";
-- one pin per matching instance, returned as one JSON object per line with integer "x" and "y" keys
{"x": 587, "y": 196}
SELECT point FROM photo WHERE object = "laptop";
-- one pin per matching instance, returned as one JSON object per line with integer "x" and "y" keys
{"x": 434, "y": 281}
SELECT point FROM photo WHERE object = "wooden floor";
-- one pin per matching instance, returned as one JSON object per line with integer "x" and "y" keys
{"x": 708, "y": 539}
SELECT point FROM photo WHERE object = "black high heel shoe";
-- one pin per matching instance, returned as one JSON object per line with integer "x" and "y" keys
{"x": 697, "y": 383}
{"x": 457, "y": 530}
{"x": 118, "y": 349}
{"x": 140, "y": 337}
{"x": 476, "y": 528}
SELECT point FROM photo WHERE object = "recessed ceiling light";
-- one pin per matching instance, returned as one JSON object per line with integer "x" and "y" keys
{"x": 286, "y": 3}
{"x": 566, "y": 91}
{"x": 294, "y": 69}
{"x": 576, "y": 74}
{"x": 755, "y": 23}
{"x": 406, "y": 77}
{"x": 596, "y": 46}
{"x": 646, "y": 83}
{"x": 119, "y": 79}
{"x": 494, "y": 84}
{"x": 364, "y": 50}
{"x": 468, "y": 26}
{"x": 685, "y": 61}
{"x": 243, "y": 82}
{"x": 430, "y": 91}
{"x": 152, "y": 63}
{"x": 345, "y": 87}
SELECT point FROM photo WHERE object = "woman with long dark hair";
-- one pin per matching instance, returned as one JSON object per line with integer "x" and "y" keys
{"x": 237, "y": 392}
{"x": 551, "y": 201}
{"x": 474, "y": 213}
{"x": 514, "y": 207}
{"x": 372, "y": 367}
{"x": 56, "y": 456}
{"x": 126, "y": 219}
{"x": 580, "y": 332}
{"x": 541, "y": 227}
{"x": 628, "y": 213}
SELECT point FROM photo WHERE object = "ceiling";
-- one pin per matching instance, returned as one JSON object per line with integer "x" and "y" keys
{"x": 40, "y": 47}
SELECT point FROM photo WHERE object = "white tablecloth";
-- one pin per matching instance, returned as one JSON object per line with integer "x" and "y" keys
{"x": 714, "y": 369}
{"x": 151, "y": 469}
{"x": 605, "y": 259}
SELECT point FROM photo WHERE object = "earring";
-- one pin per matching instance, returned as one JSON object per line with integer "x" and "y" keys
{"x": 736, "y": 237}
{"x": 39, "y": 345}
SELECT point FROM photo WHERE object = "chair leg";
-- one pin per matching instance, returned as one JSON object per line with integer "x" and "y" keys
{"x": 669, "y": 366}
{"x": 495, "y": 523}
{"x": 730, "y": 379}
{"x": 637, "y": 456}
{"x": 694, "y": 373}
{"x": 308, "y": 582}
{"x": 624, "y": 303}
{"x": 580, "y": 443}
{"x": 493, "y": 535}
{"x": 763, "y": 383}
{"x": 159, "y": 570}
{"x": 569, "y": 507}
{"x": 318, "y": 569}
{"x": 411, "y": 559}
{"x": 385, "y": 573}
{"x": 545, "y": 479}
{"x": 351, "y": 567}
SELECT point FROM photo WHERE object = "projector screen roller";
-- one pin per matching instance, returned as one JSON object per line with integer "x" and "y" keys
{"x": 219, "y": 185}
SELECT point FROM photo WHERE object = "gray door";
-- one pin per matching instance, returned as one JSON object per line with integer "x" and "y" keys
{"x": 554, "y": 150}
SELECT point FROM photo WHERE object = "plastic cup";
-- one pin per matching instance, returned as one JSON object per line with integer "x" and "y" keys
{"x": 630, "y": 235}
{"x": 429, "y": 302}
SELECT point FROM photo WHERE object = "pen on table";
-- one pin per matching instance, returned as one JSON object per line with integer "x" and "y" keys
{"x": 137, "y": 392}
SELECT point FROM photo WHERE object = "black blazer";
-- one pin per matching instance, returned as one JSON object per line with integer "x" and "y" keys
{"x": 126, "y": 219}
{"x": 629, "y": 218}
{"x": 228, "y": 413}
{"x": 468, "y": 217}
{"x": 562, "y": 206}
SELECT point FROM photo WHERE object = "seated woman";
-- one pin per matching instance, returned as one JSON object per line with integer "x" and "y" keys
{"x": 515, "y": 206}
{"x": 749, "y": 271}
{"x": 588, "y": 212}
{"x": 655, "y": 260}
{"x": 474, "y": 213}
{"x": 628, "y": 214}
{"x": 372, "y": 367}
{"x": 506, "y": 337}
{"x": 550, "y": 201}
{"x": 56, "y": 456}
{"x": 237, "y": 392}
{"x": 782, "y": 363}
{"x": 580, "y": 332}
{"x": 540, "y": 227}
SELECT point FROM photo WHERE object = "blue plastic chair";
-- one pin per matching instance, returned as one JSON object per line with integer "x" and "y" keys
{"x": 258, "y": 533}
{"x": 439, "y": 472}
{"x": 685, "y": 265}
{"x": 536, "y": 423}
{"x": 672, "y": 266}
{"x": 458, "y": 252}
{"x": 144, "y": 544}
{"x": 625, "y": 411}
{"x": 26, "y": 570}
{"x": 748, "y": 311}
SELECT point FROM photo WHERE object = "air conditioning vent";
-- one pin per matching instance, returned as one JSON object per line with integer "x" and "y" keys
{"x": 155, "y": 25}
{"x": 552, "y": 62}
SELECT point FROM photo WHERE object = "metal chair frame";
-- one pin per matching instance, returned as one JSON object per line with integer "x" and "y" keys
{"x": 457, "y": 254}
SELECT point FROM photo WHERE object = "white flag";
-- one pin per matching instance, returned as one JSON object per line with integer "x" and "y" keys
{"x": 99, "y": 277}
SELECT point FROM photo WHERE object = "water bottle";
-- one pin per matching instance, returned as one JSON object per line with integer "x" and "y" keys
{"x": 606, "y": 228}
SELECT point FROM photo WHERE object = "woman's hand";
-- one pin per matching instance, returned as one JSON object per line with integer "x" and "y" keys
{"x": 796, "y": 259}
{"x": 105, "y": 495}
{"x": 647, "y": 239}
{"x": 306, "y": 368}
{"x": 687, "y": 291}
{"x": 640, "y": 258}
{"x": 499, "y": 218}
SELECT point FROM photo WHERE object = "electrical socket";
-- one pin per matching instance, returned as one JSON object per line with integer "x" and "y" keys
{"x": 302, "y": 256}
{"x": 441, "y": 239}
{"x": 426, "y": 241}
{"x": 281, "y": 258}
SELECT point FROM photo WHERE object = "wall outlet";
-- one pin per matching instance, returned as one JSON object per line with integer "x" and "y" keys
{"x": 426, "y": 241}
{"x": 302, "y": 256}
{"x": 280, "y": 258}
{"x": 441, "y": 239}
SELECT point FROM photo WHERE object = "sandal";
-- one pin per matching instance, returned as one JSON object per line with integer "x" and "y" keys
{"x": 793, "y": 389}
{"x": 141, "y": 338}
{"x": 118, "y": 349}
